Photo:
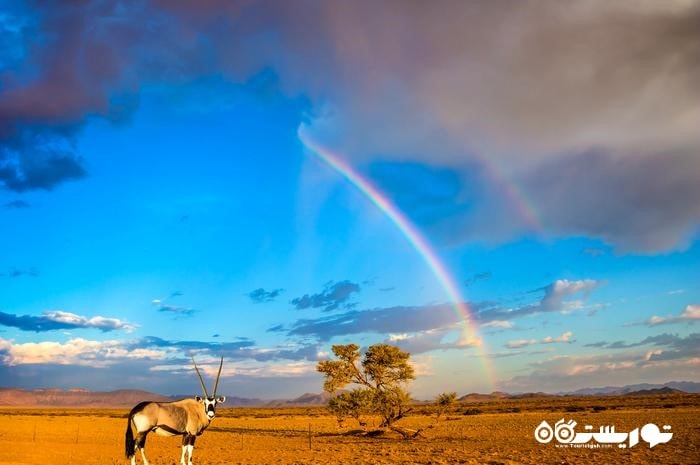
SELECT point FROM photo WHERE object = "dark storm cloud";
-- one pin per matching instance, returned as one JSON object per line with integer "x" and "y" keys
{"x": 514, "y": 97}
{"x": 24, "y": 167}
{"x": 73, "y": 65}
{"x": 521, "y": 88}
{"x": 56, "y": 320}
{"x": 334, "y": 295}
{"x": 260, "y": 295}
{"x": 651, "y": 203}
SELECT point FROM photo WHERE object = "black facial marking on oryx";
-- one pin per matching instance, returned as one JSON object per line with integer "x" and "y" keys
{"x": 187, "y": 417}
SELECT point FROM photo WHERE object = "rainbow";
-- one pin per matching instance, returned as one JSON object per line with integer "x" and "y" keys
{"x": 470, "y": 336}
{"x": 515, "y": 196}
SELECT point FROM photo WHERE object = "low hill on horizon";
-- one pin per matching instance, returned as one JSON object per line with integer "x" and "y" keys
{"x": 77, "y": 397}
{"x": 637, "y": 389}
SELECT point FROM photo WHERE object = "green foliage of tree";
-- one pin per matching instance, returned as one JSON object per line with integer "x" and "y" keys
{"x": 381, "y": 375}
{"x": 387, "y": 366}
{"x": 444, "y": 402}
{"x": 354, "y": 404}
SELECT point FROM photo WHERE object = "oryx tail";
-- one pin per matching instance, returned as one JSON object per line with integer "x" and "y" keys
{"x": 130, "y": 442}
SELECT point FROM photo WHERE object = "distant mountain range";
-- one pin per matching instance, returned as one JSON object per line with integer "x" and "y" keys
{"x": 672, "y": 387}
{"x": 75, "y": 398}
{"x": 682, "y": 386}
{"x": 128, "y": 398}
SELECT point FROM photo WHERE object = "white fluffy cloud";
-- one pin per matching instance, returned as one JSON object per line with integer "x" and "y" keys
{"x": 570, "y": 372}
{"x": 209, "y": 367}
{"x": 689, "y": 314}
{"x": 76, "y": 351}
{"x": 497, "y": 324}
{"x": 566, "y": 337}
{"x": 79, "y": 321}
{"x": 59, "y": 319}
{"x": 561, "y": 289}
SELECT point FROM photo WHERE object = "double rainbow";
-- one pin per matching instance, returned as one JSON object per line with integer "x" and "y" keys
{"x": 470, "y": 336}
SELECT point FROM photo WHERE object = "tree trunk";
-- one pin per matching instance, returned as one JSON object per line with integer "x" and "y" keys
{"x": 408, "y": 433}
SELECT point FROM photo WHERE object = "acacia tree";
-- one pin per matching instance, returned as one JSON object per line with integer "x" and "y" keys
{"x": 380, "y": 376}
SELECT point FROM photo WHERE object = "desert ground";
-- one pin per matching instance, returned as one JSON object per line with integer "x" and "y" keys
{"x": 493, "y": 432}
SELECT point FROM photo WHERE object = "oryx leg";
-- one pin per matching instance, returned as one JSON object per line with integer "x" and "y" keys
{"x": 189, "y": 440}
{"x": 185, "y": 441}
{"x": 141, "y": 445}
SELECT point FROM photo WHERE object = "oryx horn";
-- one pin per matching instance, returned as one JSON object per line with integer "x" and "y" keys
{"x": 216, "y": 384}
{"x": 199, "y": 375}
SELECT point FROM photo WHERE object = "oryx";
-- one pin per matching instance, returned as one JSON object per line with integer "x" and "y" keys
{"x": 187, "y": 417}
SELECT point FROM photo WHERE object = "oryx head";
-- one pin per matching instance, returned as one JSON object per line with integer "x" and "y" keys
{"x": 209, "y": 402}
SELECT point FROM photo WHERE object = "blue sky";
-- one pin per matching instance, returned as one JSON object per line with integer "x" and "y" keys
{"x": 156, "y": 200}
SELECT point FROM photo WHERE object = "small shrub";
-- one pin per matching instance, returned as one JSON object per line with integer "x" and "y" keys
{"x": 444, "y": 402}
{"x": 472, "y": 411}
